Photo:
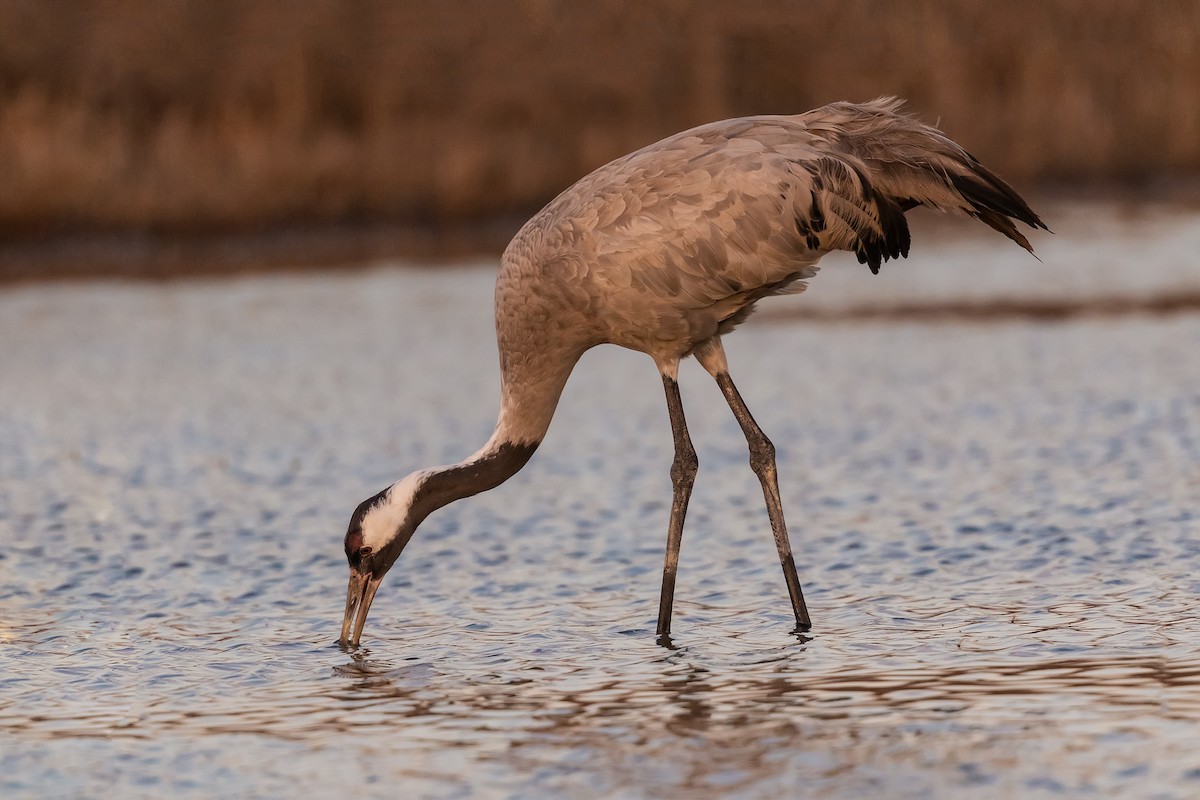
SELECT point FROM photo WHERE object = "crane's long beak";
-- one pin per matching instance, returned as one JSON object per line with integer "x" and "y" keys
{"x": 359, "y": 594}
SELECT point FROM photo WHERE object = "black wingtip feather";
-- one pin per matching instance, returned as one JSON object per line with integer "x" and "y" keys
{"x": 996, "y": 204}
{"x": 893, "y": 240}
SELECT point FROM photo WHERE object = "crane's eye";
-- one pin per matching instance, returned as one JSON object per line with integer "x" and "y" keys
{"x": 365, "y": 550}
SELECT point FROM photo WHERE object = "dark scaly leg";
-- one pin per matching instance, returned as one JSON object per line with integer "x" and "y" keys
{"x": 762, "y": 461}
{"x": 683, "y": 476}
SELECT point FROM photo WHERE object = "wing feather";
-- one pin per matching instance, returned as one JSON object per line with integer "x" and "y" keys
{"x": 728, "y": 212}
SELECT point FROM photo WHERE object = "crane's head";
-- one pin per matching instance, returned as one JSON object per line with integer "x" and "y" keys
{"x": 379, "y": 529}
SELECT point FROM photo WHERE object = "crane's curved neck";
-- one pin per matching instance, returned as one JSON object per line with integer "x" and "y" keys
{"x": 495, "y": 463}
{"x": 530, "y": 385}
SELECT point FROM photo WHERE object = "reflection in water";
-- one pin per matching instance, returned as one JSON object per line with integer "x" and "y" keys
{"x": 694, "y": 696}
{"x": 700, "y": 728}
{"x": 729, "y": 714}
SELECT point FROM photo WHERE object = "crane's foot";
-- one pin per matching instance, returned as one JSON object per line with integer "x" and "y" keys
{"x": 664, "y": 640}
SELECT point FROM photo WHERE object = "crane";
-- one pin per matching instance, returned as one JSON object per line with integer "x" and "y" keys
{"x": 666, "y": 250}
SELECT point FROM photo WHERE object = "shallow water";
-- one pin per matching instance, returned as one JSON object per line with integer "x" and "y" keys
{"x": 997, "y": 527}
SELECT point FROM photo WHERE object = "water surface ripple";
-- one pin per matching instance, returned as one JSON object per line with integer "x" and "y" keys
{"x": 997, "y": 526}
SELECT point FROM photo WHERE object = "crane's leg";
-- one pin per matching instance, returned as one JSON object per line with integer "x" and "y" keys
{"x": 762, "y": 460}
{"x": 683, "y": 476}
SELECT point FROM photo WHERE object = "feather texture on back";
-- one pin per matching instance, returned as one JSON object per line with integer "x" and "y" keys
{"x": 672, "y": 244}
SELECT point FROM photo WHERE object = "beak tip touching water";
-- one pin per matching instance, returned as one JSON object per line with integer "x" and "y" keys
{"x": 359, "y": 593}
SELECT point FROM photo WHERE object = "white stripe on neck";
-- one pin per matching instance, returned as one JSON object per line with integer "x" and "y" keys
{"x": 380, "y": 524}
{"x": 499, "y": 458}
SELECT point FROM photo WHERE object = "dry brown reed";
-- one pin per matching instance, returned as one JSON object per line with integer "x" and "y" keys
{"x": 195, "y": 116}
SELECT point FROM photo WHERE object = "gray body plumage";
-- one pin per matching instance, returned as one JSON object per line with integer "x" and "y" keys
{"x": 669, "y": 246}
{"x": 663, "y": 251}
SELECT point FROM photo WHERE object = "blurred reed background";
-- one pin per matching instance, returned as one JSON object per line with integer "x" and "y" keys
{"x": 158, "y": 136}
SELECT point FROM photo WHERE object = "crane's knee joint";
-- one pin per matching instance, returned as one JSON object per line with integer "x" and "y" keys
{"x": 685, "y": 466}
{"x": 762, "y": 454}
